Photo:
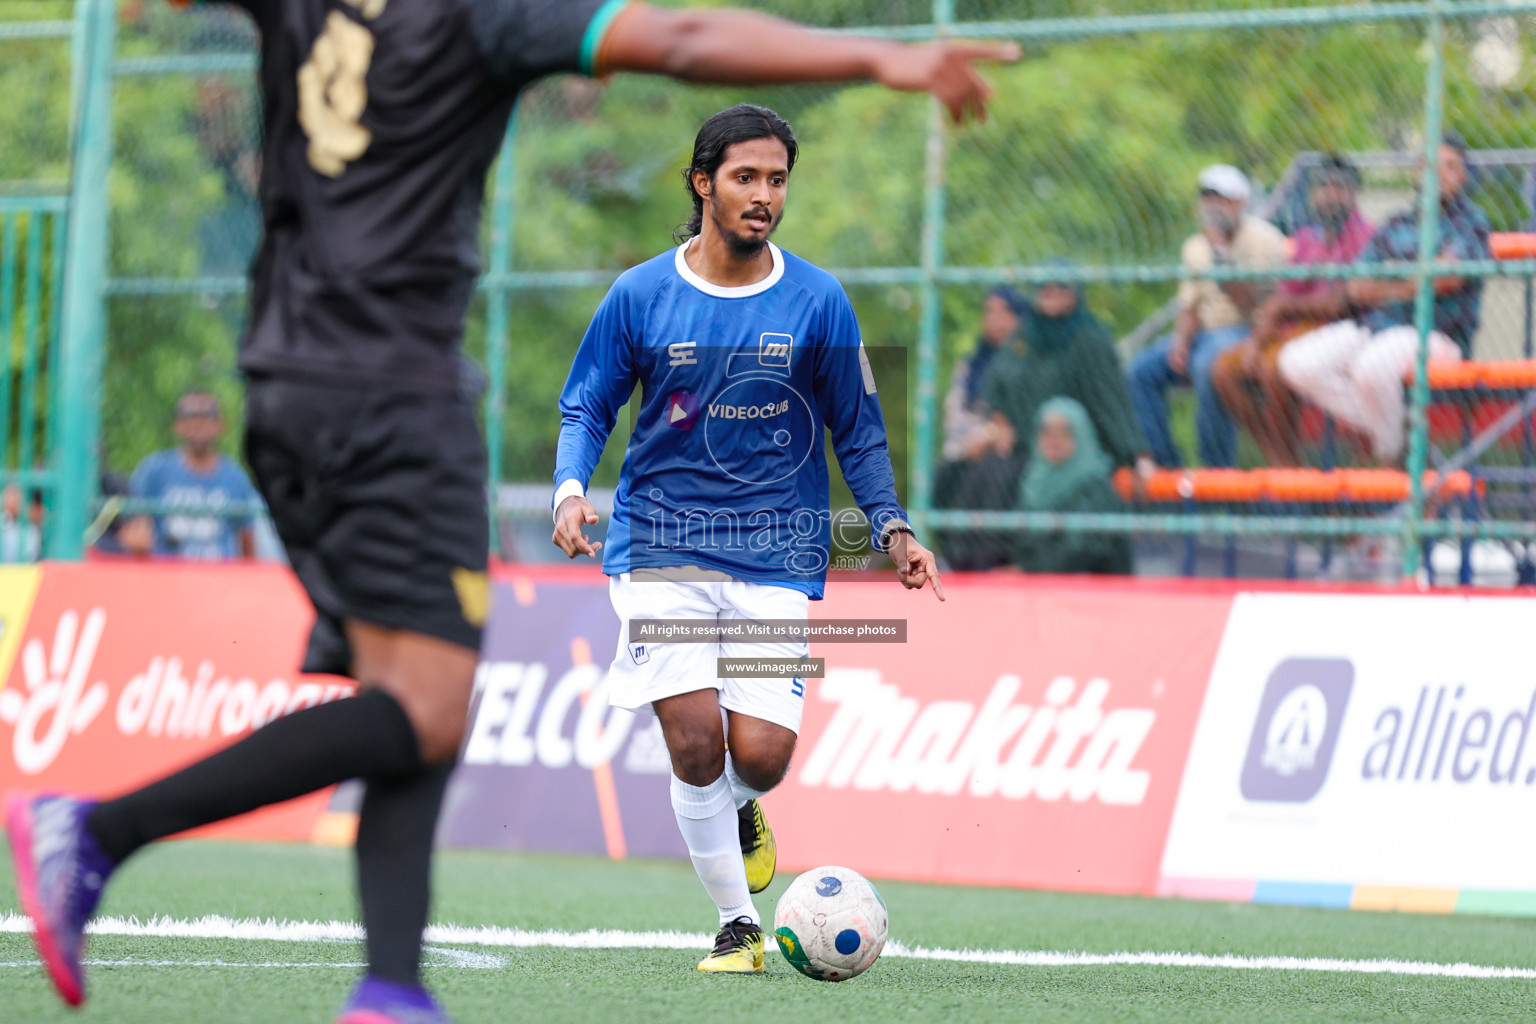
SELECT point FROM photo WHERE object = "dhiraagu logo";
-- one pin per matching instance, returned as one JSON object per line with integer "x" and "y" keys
{"x": 1296, "y": 729}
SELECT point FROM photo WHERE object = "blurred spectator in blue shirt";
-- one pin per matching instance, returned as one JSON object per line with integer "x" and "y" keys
{"x": 201, "y": 478}
{"x": 21, "y": 537}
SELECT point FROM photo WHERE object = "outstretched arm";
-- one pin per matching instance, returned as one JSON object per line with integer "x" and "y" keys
{"x": 733, "y": 47}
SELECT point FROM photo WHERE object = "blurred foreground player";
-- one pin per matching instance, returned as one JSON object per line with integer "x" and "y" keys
{"x": 745, "y": 355}
{"x": 381, "y": 119}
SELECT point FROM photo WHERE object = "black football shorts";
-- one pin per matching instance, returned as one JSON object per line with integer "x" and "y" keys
{"x": 380, "y": 501}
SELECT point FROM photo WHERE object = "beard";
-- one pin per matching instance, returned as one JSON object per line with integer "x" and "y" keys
{"x": 743, "y": 247}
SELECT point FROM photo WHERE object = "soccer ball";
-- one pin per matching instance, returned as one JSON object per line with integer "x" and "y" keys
{"x": 831, "y": 924}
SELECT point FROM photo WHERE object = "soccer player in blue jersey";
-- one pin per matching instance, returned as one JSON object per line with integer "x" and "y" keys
{"x": 745, "y": 354}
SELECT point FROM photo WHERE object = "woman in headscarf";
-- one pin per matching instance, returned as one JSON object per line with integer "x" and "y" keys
{"x": 1070, "y": 472}
{"x": 979, "y": 470}
{"x": 1063, "y": 349}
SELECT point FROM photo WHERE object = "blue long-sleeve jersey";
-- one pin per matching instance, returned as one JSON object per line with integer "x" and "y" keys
{"x": 725, "y": 468}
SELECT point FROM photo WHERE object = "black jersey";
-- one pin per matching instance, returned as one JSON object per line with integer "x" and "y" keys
{"x": 382, "y": 118}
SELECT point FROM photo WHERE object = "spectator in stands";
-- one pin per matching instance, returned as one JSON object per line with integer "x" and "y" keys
{"x": 1213, "y": 317}
{"x": 968, "y": 432}
{"x": 1246, "y": 375}
{"x": 1069, "y": 472}
{"x": 196, "y": 475}
{"x": 1354, "y": 368}
{"x": 1063, "y": 350}
{"x": 21, "y": 535}
{"x": 979, "y": 471}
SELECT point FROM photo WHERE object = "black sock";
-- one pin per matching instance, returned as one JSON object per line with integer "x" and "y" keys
{"x": 394, "y": 868}
{"x": 368, "y": 736}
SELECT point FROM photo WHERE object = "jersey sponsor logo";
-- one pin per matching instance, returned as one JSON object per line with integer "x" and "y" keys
{"x": 767, "y": 411}
{"x": 869, "y": 375}
{"x": 773, "y": 355}
{"x": 682, "y": 354}
{"x": 879, "y": 739}
{"x": 639, "y": 654}
{"x": 683, "y": 409}
{"x": 774, "y": 350}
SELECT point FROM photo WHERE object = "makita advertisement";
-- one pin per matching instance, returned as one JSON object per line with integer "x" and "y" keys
{"x": 1028, "y": 733}
{"x": 1365, "y": 748}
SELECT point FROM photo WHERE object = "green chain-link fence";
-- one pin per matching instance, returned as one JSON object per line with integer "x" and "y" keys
{"x": 1085, "y": 174}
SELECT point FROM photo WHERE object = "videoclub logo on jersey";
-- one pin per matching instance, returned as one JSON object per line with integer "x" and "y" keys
{"x": 1296, "y": 729}
{"x": 683, "y": 409}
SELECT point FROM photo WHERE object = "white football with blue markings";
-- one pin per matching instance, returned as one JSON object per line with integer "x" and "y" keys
{"x": 831, "y": 924}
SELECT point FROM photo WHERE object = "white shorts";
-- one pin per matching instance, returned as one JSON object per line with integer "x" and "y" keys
{"x": 646, "y": 672}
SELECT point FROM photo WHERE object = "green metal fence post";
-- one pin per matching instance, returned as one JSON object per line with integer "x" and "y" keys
{"x": 1424, "y": 301}
{"x": 75, "y": 453}
{"x": 931, "y": 302}
{"x": 496, "y": 340}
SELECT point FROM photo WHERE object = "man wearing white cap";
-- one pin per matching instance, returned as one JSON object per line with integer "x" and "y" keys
{"x": 1213, "y": 317}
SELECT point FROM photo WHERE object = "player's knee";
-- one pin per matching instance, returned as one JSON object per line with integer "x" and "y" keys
{"x": 438, "y": 724}
{"x": 439, "y": 742}
{"x": 698, "y": 756}
{"x": 762, "y": 770}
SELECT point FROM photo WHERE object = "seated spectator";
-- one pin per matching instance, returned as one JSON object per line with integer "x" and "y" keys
{"x": 200, "y": 477}
{"x": 1069, "y": 472}
{"x": 21, "y": 535}
{"x": 1354, "y": 368}
{"x": 1245, "y": 375}
{"x": 977, "y": 473}
{"x": 1213, "y": 317}
{"x": 1062, "y": 350}
{"x": 968, "y": 432}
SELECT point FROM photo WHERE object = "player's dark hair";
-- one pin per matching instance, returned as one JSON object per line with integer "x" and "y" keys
{"x": 741, "y": 123}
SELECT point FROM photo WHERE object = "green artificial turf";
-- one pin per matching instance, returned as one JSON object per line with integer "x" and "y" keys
{"x": 231, "y": 981}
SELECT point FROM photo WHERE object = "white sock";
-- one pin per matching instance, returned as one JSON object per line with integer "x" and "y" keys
{"x": 707, "y": 819}
{"x": 740, "y": 791}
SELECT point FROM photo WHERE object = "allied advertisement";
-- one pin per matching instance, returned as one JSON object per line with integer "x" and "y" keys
{"x": 117, "y": 674}
{"x": 1363, "y": 742}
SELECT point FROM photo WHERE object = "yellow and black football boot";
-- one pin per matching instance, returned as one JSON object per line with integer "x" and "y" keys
{"x": 738, "y": 949}
{"x": 758, "y": 849}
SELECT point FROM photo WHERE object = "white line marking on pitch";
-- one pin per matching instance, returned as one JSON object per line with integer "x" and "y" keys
{"x": 216, "y": 927}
